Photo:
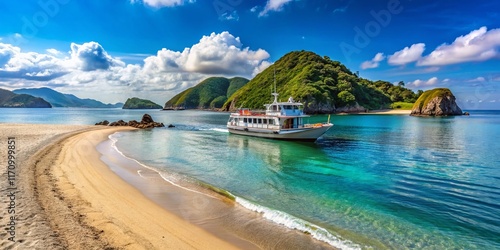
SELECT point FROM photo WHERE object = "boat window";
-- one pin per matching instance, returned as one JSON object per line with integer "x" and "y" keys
{"x": 245, "y": 120}
{"x": 271, "y": 121}
{"x": 254, "y": 120}
{"x": 265, "y": 121}
{"x": 260, "y": 121}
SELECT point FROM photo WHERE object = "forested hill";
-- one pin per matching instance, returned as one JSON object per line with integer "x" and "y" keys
{"x": 9, "y": 99}
{"x": 211, "y": 93}
{"x": 323, "y": 85}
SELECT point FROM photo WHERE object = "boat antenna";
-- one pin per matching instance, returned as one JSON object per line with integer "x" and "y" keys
{"x": 275, "y": 94}
{"x": 274, "y": 79}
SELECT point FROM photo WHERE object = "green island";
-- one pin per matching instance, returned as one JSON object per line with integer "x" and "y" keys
{"x": 137, "y": 103}
{"x": 323, "y": 85}
{"x": 211, "y": 93}
{"x": 9, "y": 99}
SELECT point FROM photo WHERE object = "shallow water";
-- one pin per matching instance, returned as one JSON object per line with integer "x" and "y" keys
{"x": 380, "y": 181}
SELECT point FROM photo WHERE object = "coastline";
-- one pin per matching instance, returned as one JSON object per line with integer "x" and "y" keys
{"x": 73, "y": 199}
{"x": 381, "y": 112}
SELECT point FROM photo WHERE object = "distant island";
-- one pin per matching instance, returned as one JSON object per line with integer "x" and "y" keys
{"x": 436, "y": 102}
{"x": 136, "y": 103}
{"x": 211, "y": 93}
{"x": 323, "y": 85}
{"x": 57, "y": 99}
{"x": 9, "y": 99}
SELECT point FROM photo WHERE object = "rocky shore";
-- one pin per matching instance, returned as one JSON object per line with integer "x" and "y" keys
{"x": 146, "y": 122}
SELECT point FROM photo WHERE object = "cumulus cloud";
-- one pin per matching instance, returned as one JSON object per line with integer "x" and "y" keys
{"x": 92, "y": 56}
{"x": 479, "y": 45}
{"x": 423, "y": 83}
{"x": 89, "y": 71}
{"x": 7, "y": 51}
{"x": 373, "y": 63}
{"x": 273, "y": 5}
{"x": 15, "y": 64}
{"x": 407, "y": 55}
{"x": 164, "y": 3}
{"x": 215, "y": 54}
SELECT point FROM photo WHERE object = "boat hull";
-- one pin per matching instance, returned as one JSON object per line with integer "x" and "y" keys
{"x": 304, "y": 134}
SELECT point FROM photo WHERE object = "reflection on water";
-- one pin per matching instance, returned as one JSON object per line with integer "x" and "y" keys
{"x": 383, "y": 181}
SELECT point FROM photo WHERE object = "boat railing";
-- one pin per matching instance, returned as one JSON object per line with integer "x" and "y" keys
{"x": 316, "y": 125}
{"x": 251, "y": 112}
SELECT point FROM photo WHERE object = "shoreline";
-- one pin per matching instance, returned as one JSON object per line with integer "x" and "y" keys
{"x": 205, "y": 206}
{"x": 75, "y": 199}
{"x": 106, "y": 210}
{"x": 381, "y": 112}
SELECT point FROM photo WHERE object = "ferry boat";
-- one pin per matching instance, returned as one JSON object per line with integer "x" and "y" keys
{"x": 280, "y": 120}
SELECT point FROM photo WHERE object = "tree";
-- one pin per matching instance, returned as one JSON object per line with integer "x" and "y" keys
{"x": 401, "y": 84}
{"x": 346, "y": 97}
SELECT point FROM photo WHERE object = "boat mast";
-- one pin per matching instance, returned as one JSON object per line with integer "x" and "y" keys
{"x": 275, "y": 94}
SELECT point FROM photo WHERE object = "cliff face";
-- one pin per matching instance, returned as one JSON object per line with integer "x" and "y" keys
{"x": 436, "y": 102}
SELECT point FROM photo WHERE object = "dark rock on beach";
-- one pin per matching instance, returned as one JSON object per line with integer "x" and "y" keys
{"x": 436, "y": 102}
{"x": 104, "y": 123}
{"x": 146, "y": 122}
{"x": 118, "y": 123}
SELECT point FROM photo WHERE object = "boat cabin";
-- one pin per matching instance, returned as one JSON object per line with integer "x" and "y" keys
{"x": 277, "y": 116}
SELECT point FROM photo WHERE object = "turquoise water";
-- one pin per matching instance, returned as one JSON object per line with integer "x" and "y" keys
{"x": 380, "y": 181}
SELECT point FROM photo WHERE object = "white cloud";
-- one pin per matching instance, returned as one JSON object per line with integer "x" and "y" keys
{"x": 7, "y": 51}
{"x": 54, "y": 52}
{"x": 478, "y": 45}
{"x": 254, "y": 9}
{"x": 407, "y": 55}
{"x": 421, "y": 83}
{"x": 90, "y": 72}
{"x": 92, "y": 56}
{"x": 273, "y": 5}
{"x": 373, "y": 63}
{"x": 478, "y": 79}
{"x": 164, "y": 3}
{"x": 215, "y": 54}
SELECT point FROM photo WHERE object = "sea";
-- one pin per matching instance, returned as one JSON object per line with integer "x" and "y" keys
{"x": 371, "y": 182}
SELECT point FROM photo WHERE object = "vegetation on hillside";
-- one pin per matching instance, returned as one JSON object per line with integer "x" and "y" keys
{"x": 136, "y": 103}
{"x": 428, "y": 95}
{"x": 8, "y": 99}
{"x": 322, "y": 84}
{"x": 211, "y": 93}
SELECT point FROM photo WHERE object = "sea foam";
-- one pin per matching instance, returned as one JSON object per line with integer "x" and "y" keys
{"x": 295, "y": 223}
{"x": 275, "y": 216}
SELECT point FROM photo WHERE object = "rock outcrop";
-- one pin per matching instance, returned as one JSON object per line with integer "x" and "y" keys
{"x": 436, "y": 102}
{"x": 146, "y": 122}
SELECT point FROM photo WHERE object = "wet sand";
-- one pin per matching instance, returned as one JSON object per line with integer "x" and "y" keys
{"x": 69, "y": 198}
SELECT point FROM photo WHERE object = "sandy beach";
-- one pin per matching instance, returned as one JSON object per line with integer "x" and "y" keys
{"x": 66, "y": 198}
{"x": 70, "y": 194}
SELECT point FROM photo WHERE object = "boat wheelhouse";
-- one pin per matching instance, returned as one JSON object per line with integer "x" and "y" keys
{"x": 280, "y": 120}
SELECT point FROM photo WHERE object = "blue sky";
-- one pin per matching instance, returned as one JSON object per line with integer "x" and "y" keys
{"x": 112, "y": 50}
